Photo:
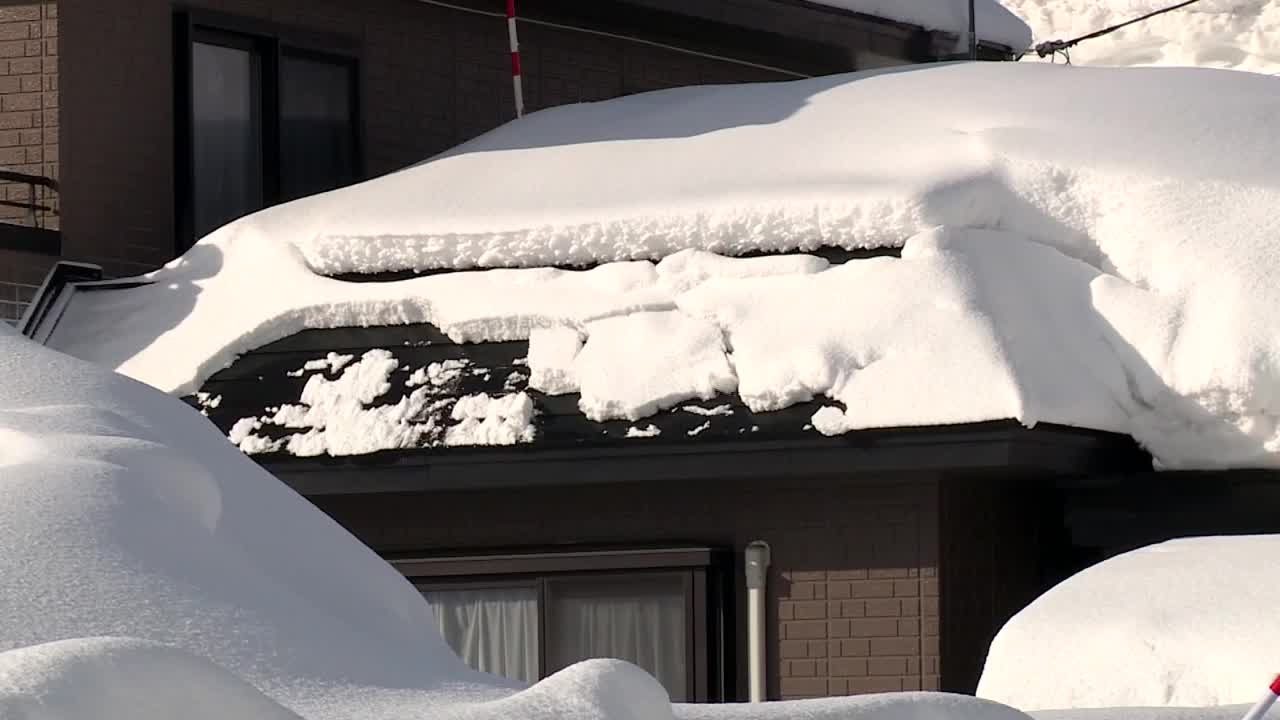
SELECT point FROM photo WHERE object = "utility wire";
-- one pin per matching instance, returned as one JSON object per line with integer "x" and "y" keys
{"x": 616, "y": 36}
{"x": 1063, "y": 47}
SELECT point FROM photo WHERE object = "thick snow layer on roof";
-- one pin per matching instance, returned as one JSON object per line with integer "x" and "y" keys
{"x": 1183, "y": 623}
{"x": 151, "y": 571}
{"x": 1094, "y": 247}
{"x": 994, "y": 22}
{"x": 1235, "y": 34}
{"x": 635, "y": 365}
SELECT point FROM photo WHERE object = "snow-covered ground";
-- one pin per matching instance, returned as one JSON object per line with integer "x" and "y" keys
{"x": 1235, "y": 34}
{"x": 1184, "y": 623}
{"x": 1092, "y": 247}
{"x": 148, "y": 571}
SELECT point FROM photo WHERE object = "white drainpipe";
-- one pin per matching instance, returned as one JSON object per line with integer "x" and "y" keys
{"x": 757, "y": 571}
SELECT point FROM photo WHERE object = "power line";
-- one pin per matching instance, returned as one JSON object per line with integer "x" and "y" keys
{"x": 1063, "y": 47}
{"x": 616, "y": 36}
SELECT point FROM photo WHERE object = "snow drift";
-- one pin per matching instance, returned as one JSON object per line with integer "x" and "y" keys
{"x": 149, "y": 570}
{"x": 1182, "y": 623}
{"x": 1093, "y": 247}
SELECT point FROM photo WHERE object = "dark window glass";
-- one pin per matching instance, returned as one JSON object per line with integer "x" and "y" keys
{"x": 227, "y": 142}
{"x": 642, "y": 619}
{"x": 317, "y": 125}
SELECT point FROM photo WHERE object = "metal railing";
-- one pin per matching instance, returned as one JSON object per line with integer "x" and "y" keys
{"x": 36, "y": 201}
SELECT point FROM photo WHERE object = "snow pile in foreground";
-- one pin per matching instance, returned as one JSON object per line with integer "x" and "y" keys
{"x": 1183, "y": 623}
{"x": 1086, "y": 246}
{"x": 1235, "y": 34}
{"x": 124, "y": 679}
{"x": 151, "y": 571}
{"x": 995, "y": 23}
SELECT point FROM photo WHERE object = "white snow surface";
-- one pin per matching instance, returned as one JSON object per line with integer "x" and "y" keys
{"x": 1182, "y": 623}
{"x": 635, "y": 365}
{"x": 1233, "y": 34}
{"x": 648, "y": 431}
{"x": 485, "y": 420}
{"x": 551, "y": 355}
{"x": 128, "y": 515}
{"x": 708, "y": 412}
{"x": 1088, "y": 246}
{"x": 337, "y": 415}
{"x": 151, "y": 571}
{"x": 994, "y": 22}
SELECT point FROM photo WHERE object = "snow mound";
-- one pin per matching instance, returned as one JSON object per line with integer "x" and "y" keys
{"x": 124, "y": 679}
{"x": 128, "y": 515}
{"x": 1234, "y": 34}
{"x": 1085, "y": 246}
{"x": 588, "y": 690}
{"x": 889, "y": 706}
{"x": 1221, "y": 712}
{"x": 1182, "y": 623}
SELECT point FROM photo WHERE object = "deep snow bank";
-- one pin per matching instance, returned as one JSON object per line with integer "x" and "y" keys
{"x": 895, "y": 706}
{"x": 1235, "y": 34}
{"x": 1139, "y": 205}
{"x": 1182, "y": 623}
{"x": 124, "y": 679}
{"x": 126, "y": 514}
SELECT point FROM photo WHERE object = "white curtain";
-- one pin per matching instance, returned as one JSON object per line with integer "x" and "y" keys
{"x": 639, "y": 619}
{"x": 493, "y": 630}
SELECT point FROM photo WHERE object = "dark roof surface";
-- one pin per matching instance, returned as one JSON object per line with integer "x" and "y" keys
{"x": 570, "y": 449}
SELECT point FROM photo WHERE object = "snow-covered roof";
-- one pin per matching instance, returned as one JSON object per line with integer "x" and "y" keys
{"x": 993, "y": 21}
{"x": 1089, "y": 247}
{"x": 1235, "y": 34}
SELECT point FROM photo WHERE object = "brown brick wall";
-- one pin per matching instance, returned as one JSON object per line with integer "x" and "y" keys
{"x": 28, "y": 103}
{"x": 846, "y": 632}
{"x": 853, "y": 593}
{"x": 28, "y": 136}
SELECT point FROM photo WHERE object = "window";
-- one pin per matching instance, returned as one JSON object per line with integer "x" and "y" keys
{"x": 528, "y": 616}
{"x": 317, "y": 125}
{"x": 226, "y": 117}
{"x": 263, "y": 118}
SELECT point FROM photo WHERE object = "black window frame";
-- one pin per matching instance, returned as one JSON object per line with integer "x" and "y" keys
{"x": 270, "y": 42}
{"x": 705, "y": 574}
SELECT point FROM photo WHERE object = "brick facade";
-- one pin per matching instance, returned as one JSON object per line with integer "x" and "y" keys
{"x": 847, "y": 632}
{"x": 853, "y": 598}
{"x": 28, "y": 100}
{"x": 28, "y": 136}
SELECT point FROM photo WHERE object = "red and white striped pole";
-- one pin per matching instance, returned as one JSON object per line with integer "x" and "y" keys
{"x": 515, "y": 57}
{"x": 1257, "y": 711}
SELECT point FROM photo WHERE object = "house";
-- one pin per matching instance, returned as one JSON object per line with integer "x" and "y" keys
{"x": 816, "y": 442}
{"x": 182, "y": 115}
